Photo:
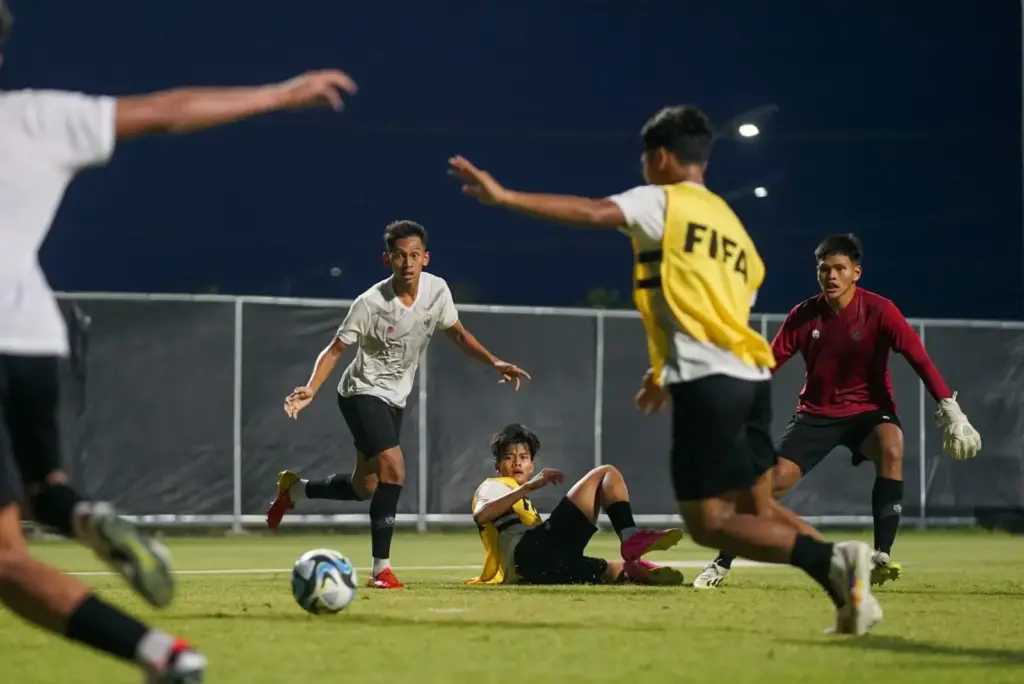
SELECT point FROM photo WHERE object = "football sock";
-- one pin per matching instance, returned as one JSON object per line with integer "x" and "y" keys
{"x": 886, "y": 508}
{"x": 621, "y": 515}
{"x": 383, "y": 509}
{"x": 55, "y": 506}
{"x": 335, "y": 487}
{"x": 724, "y": 560}
{"x": 105, "y": 628}
{"x": 379, "y": 566}
{"x": 815, "y": 558}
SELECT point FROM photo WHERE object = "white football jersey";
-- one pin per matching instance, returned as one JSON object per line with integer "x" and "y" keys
{"x": 391, "y": 337}
{"x": 46, "y": 137}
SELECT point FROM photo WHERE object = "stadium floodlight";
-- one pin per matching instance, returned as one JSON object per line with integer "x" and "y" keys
{"x": 748, "y": 130}
{"x": 759, "y": 189}
{"x": 747, "y": 125}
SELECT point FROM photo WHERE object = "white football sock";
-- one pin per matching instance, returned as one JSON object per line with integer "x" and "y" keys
{"x": 154, "y": 649}
{"x": 298, "y": 491}
{"x": 379, "y": 566}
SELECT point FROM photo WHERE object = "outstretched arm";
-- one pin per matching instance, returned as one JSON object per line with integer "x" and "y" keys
{"x": 190, "y": 109}
{"x": 905, "y": 341}
{"x": 567, "y": 209}
{"x": 458, "y": 334}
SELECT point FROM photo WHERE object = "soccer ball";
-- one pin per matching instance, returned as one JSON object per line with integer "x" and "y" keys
{"x": 323, "y": 581}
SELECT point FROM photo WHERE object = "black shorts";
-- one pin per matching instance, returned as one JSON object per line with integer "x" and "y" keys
{"x": 809, "y": 439}
{"x": 29, "y": 429}
{"x": 552, "y": 552}
{"x": 375, "y": 424}
{"x": 721, "y": 436}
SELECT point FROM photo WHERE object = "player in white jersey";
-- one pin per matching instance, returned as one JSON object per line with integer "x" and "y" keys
{"x": 46, "y": 138}
{"x": 391, "y": 325}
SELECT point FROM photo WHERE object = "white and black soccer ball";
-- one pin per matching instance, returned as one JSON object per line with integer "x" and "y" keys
{"x": 323, "y": 581}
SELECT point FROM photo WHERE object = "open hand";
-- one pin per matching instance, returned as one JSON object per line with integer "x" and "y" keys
{"x": 510, "y": 373}
{"x": 297, "y": 400}
{"x": 316, "y": 89}
{"x": 652, "y": 397}
{"x": 544, "y": 478}
{"x": 476, "y": 183}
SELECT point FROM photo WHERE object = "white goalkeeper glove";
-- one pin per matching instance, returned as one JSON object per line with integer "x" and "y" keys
{"x": 960, "y": 440}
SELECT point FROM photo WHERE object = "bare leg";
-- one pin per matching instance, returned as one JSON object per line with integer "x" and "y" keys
{"x": 782, "y": 478}
{"x": 63, "y": 605}
{"x": 604, "y": 488}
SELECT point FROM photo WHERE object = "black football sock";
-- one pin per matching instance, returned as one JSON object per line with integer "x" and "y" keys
{"x": 815, "y": 558}
{"x": 724, "y": 560}
{"x": 54, "y": 506}
{"x": 105, "y": 628}
{"x": 886, "y": 508}
{"x": 383, "y": 509}
{"x": 621, "y": 515}
{"x": 335, "y": 487}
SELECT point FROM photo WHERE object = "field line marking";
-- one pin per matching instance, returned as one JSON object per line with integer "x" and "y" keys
{"x": 414, "y": 568}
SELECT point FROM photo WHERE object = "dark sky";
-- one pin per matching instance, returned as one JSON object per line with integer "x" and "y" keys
{"x": 898, "y": 121}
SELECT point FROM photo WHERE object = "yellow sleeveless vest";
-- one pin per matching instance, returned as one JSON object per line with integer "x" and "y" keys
{"x": 706, "y": 273}
{"x": 492, "y": 572}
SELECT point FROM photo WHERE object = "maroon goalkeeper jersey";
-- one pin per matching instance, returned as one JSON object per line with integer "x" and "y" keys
{"x": 847, "y": 354}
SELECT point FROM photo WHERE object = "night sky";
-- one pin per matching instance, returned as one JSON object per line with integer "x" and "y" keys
{"x": 898, "y": 121}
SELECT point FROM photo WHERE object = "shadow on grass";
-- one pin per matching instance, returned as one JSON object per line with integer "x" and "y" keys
{"x": 427, "y": 620}
{"x": 901, "y": 645}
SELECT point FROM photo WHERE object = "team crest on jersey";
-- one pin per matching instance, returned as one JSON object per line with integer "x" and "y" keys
{"x": 427, "y": 320}
{"x": 855, "y": 334}
{"x": 815, "y": 334}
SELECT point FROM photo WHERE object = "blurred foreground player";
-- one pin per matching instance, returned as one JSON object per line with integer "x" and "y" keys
{"x": 46, "y": 138}
{"x": 391, "y": 324}
{"x": 522, "y": 548}
{"x": 697, "y": 275}
{"x": 845, "y": 335}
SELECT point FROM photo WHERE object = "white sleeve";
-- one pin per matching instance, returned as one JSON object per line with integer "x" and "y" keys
{"x": 487, "y": 492}
{"x": 449, "y": 314}
{"x": 76, "y": 130}
{"x": 644, "y": 209}
{"x": 355, "y": 325}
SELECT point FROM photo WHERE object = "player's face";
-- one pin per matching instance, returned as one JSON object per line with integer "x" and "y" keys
{"x": 407, "y": 259}
{"x": 517, "y": 463}
{"x": 837, "y": 274}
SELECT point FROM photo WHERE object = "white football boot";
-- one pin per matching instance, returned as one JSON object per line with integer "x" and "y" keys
{"x": 712, "y": 576}
{"x": 185, "y": 666}
{"x": 851, "y": 579}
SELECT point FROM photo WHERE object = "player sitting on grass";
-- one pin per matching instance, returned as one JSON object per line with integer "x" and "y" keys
{"x": 522, "y": 548}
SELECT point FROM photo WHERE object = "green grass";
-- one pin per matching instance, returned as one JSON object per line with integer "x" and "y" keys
{"x": 956, "y": 616}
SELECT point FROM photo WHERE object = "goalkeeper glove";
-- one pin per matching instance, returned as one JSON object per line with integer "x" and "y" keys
{"x": 959, "y": 440}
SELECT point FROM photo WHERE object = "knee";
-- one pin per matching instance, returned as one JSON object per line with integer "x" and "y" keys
{"x": 892, "y": 457}
{"x": 391, "y": 467}
{"x": 784, "y": 476}
{"x": 608, "y": 473}
{"x": 364, "y": 487}
{"x": 704, "y": 526}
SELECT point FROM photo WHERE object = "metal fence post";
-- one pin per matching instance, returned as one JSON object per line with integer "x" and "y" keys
{"x": 599, "y": 388}
{"x": 236, "y": 436}
{"x": 922, "y": 437}
{"x": 421, "y": 425}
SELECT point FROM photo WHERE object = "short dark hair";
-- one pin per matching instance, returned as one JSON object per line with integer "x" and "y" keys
{"x": 512, "y": 434}
{"x": 843, "y": 244}
{"x": 398, "y": 230}
{"x": 683, "y": 130}
{"x": 6, "y": 21}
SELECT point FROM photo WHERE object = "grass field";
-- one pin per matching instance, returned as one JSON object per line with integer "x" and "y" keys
{"x": 957, "y": 616}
